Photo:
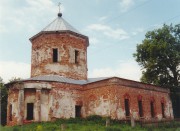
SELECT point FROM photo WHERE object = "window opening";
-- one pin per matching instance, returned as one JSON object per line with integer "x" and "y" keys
{"x": 140, "y": 108}
{"x": 152, "y": 109}
{"x": 55, "y": 55}
{"x": 30, "y": 109}
{"x": 10, "y": 112}
{"x": 162, "y": 107}
{"x": 127, "y": 107}
{"x": 76, "y": 56}
{"x": 78, "y": 111}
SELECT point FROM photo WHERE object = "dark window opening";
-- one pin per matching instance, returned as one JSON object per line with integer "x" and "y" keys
{"x": 162, "y": 107}
{"x": 140, "y": 108}
{"x": 126, "y": 101}
{"x": 30, "y": 111}
{"x": 78, "y": 111}
{"x": 152, "y": 109}
{"x": 10, "y": 112}
{"x": 55, "y": 55}
{"x": 76, "y": 56}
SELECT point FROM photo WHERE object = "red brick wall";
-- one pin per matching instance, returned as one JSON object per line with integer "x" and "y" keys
{"x": 12, "y": 100}
{"x": 110, "y": 95}
{"x": 42, "y": 55}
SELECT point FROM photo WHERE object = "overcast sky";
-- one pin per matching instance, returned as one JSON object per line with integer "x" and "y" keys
{"x": 114, "y": 28}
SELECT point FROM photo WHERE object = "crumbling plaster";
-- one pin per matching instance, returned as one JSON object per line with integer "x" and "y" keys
{"x": 66, "y": 44}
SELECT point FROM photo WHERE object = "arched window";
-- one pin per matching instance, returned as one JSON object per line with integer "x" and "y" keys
{"x": 163, "y": 107}
{"x": 140, "y": 106}
{"x": 152, "y": 101}
{"x": 126, "y": 105}
{"x": 10, "y": 112}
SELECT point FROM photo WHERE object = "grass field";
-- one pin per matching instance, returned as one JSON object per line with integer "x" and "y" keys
{"x": 93, "y": 123}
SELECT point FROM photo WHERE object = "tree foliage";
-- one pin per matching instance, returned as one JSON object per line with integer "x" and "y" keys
{"x": 159, "y": 56}
{"x": 3, "y": 99}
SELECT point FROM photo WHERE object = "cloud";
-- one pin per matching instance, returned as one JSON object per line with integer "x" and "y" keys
{"x": 93, "y": 40}
{"x": 138, "y": 30}
{"x": 118, "y": 33}
{"x": 9, "y": 69}
{"x": 125, "y": 5}
{"x": 102, "y": 18}
{"x": 128, "y": 70}
{"x": 29, "y": 13}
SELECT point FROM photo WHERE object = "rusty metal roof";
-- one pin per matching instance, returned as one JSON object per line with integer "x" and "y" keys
{"x": 59, "y": 24}
{"x": 57, "y": 78}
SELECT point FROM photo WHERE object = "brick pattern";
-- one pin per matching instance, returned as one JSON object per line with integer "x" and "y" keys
{"x": 105, "y": 98}
{"x": 66, "y": 43}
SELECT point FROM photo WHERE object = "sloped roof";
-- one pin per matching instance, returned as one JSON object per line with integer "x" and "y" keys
{"x": 57, "y": 78}
{"x": 59, "y": 24}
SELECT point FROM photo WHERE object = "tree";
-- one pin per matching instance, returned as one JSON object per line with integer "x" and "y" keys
{"x": 159, "y": 57}
{"x": 3, "y": 99}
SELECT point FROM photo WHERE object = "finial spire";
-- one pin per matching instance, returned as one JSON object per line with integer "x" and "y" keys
{"x": 59, "y": 14}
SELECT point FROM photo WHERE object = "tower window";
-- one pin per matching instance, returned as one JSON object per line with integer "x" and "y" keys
{"x": 140, "y": 108}
{"x": 126, "y": 102}
{"x": 76, "y": 56}
{"x": 55, "y": 55}
{"x": 162, "y": 108}
{"x": 152, "y": 109}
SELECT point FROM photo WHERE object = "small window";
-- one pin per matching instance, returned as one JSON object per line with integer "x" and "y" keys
{"x": 140, "y": 108}
{"x": 152, "y": 109}
{"x": 55, "y": 55}
{"x": 76, "y": 56}
{"x": 162, "y": 108}
{"x": 77, "y": 111}
{"x": 126, "y": 102}
{"x": 10, "y": 112}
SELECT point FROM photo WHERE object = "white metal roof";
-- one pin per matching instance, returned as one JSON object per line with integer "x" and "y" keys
{"x": 59, "y": 24}
{"x": 57, "y": 78}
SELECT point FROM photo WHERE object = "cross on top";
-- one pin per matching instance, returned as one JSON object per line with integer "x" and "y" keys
{"x": 59, "y": 5}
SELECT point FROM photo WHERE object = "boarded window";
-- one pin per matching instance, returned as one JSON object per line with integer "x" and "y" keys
{"x": 140, "y": 108}
{"x": 30, "y": 111}
{"x": 78, "y": 111}
{"x": 126, "y": 102}
{"x": 76, "y": 56}
{"x": 162, "y": 108}
{"x": 10, "y": 112}
{"x": 152, "y": 109}
{"x": 55, "y": 55}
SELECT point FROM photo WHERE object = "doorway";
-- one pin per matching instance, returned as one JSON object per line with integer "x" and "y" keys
{"x": 30, "y": 111}
{"x": 78, "y": 111}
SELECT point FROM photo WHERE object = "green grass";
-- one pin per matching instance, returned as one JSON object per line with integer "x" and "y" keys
{"x": 92, "y": 123}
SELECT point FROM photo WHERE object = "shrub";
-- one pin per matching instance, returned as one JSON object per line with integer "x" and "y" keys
{"x": 39, "y": 128}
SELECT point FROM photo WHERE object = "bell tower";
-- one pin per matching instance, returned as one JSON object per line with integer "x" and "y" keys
{"x": 59, "y": 49}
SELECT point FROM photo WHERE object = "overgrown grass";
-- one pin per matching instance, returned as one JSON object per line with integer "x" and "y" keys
{"x": 92, "y": 123}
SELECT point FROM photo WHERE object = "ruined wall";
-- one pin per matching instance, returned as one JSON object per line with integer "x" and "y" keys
{"x": 63, "y": 98}
{"x": 51, "y": 100}
{"x": 54, "y": 100}
{"x": 106, "y": 98}
{"x": 12, "y": 114}
{"x": 66, "y": 43}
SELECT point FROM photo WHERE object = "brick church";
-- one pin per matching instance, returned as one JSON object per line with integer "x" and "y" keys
{"x": 59, "y": 87}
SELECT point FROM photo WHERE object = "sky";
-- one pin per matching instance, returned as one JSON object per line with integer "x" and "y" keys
{"x": 114, "y": 28}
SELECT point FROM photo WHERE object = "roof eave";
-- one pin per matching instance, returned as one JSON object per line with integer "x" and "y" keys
{"x": 63, "y": 31}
